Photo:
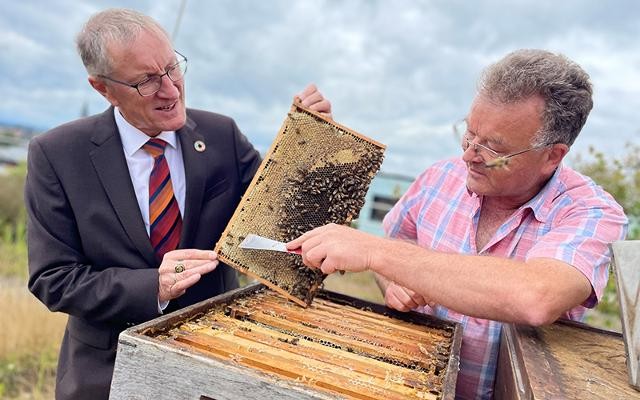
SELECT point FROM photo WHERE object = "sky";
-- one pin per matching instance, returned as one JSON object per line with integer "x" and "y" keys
{"x": 400, "y": 72}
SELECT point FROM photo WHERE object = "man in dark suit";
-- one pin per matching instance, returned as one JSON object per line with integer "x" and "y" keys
{"x": 92, "y": 204}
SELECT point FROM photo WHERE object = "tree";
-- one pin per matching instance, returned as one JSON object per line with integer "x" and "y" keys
{"x": 621, "y": 178}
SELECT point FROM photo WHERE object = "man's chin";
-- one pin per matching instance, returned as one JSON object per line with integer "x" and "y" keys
{"x": 175, "y": 123}
{"x": 475, "y": 187}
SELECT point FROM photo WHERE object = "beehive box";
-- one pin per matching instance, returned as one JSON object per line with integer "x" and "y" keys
{"x": 254, "y": 344}
{"x": 566, "y": 360}
{"x": 625, "y": 262}
{"x": 316, "y": 172}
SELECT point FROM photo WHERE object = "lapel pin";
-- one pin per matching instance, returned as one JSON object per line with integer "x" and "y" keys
{"x": 199, "y": 146}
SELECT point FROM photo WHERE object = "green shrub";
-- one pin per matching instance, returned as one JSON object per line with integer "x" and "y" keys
{"x": 13, "y": 247}
{"x": 12, "y": 209}
{"x": 621, "y": 178}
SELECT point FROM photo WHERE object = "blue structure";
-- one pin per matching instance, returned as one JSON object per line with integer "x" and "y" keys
{"x": 384, "y": 192}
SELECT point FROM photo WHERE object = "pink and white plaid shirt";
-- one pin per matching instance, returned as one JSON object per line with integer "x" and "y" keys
{"x": 571, "y": 219}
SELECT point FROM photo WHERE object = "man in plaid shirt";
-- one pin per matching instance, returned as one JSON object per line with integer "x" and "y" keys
{"x": 507, "y": 233}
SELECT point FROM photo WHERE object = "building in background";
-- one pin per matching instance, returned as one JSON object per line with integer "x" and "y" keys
{"x": 384, "y": 192}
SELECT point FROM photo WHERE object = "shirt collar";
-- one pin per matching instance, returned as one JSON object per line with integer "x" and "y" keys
{"x": 541, "y": 202}
{"x": 133, "y": 138}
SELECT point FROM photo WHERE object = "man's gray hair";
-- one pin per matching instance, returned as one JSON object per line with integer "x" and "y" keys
{"x": 563, "y": 84}
{"x": 114, "y": 26}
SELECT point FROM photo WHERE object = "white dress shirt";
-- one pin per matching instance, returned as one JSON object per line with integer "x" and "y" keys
{"x": 140, "y": 163}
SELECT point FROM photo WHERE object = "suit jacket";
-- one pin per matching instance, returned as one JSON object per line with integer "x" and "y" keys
{"x": 89, "y": 254}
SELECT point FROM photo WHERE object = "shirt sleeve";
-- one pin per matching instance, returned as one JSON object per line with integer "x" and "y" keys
{"x": 581, "y": 236}
{"x": 400, "y": 222}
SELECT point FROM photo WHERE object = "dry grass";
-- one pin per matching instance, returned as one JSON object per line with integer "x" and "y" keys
{"x": 31, "y": 337}
{"x": 361, "y": 285}
{"x": 27, "y": 325}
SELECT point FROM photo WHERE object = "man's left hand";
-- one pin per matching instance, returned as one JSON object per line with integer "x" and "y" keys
{"x": 404, "y": 299}
{"x": 311, "y": 98}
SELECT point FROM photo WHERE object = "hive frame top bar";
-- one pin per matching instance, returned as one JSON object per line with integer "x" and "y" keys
{"x": 315, "y": 172}
{"x": 142, "y": 344}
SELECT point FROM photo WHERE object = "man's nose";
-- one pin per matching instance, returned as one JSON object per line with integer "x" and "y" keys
{"x": 168, "y": 88}
{"x": 472, "y": 153}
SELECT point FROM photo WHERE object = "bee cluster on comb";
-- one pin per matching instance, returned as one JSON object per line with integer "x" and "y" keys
{"x": 316, "y": 172}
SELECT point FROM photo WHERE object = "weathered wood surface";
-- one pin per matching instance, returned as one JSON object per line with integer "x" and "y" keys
{"x": 239, "y": 356}
{"x": 562, "y": 361}
{"x": 626, "y": 266}
{"x": 147, "y": 368}
{"x": 156, "y": 371}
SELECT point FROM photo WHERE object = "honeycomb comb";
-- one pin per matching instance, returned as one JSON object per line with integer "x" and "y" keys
{"x": 316, "y": 172}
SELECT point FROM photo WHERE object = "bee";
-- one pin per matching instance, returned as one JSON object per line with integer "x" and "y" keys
{"x": 500, "y": 162}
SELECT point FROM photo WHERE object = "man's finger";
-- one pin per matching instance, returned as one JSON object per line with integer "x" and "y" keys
{"x": 182, "y": 285}
{"x": 323, "y": 107}
{"x": 400, "y": 296}
{"x": 312, "y": 99}
{"x": 392, "y": 301}
{"x": 197, "y": 269}
{"x": 310, "y": 88}
{"x": 190, "y": 254}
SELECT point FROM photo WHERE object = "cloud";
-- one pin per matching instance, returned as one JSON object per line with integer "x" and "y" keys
{"x": 401, "y": 72}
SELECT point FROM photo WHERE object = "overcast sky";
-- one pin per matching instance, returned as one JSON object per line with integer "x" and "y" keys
{"x": 398, "y": 71}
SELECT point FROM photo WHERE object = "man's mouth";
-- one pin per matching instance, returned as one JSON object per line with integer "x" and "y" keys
{"x": 475, "y": 170}
{"x": 166, "y": 108}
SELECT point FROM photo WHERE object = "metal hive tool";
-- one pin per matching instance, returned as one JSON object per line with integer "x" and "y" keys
{"x": 316, "y": 172}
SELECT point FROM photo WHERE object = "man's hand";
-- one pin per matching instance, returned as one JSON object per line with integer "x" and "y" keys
{"x": 337, "y": 248}
{"x": 403, "y": 299}
{"x": 195, "y": 263}
{"x": 311, "y": 98}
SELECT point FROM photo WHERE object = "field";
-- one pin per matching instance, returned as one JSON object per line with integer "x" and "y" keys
{"x": 31, "y": 335}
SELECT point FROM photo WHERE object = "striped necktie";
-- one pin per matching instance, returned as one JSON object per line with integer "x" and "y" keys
{"x": 165, "y": 222}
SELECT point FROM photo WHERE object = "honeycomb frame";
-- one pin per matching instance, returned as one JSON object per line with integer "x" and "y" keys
{"x": 316, "y": 172}
{"x": 338, "y": 347}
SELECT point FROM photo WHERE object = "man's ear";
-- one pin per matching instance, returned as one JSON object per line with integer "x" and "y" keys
{"x": 101, "y": 87}
{"x": 555, "y": 156}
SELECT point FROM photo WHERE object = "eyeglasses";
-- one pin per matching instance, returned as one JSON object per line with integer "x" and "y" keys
{"x": 152, "y": 84}
{"x": 491, "y": 158}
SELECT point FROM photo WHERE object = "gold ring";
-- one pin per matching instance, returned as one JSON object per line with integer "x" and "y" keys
{"x": 179, "y": 267}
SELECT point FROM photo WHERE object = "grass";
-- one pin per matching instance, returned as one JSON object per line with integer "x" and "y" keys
{"x": 361, "y": 285}
{"x": 30, "y": 334}
{"x": 31, "y": 337}
{"x": 13, "y": 247}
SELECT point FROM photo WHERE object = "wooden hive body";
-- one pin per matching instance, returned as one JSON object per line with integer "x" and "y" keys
{"x": 625, "y": 263}
{"x": 253, "y": 344}
{"x": 316, "y": 172}
{"x": 566, "y": 360}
